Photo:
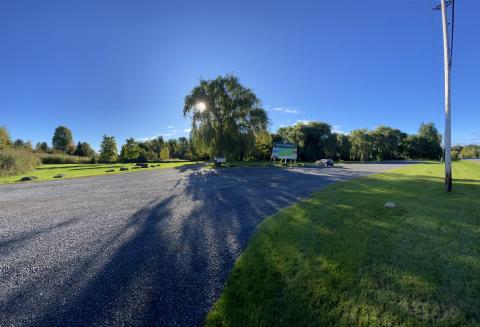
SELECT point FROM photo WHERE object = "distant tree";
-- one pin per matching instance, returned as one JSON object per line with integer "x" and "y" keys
{"x": 198, "y": 151}
{"x": 258, "y": 128}
{"x": 361, "y": 145}
{"x": 193, "y": 150}
{"x": 457, "y": 148}
{"x": 19, "y": 143}
{"x": 182, "y": 148}
{"x": 263, "y": 146}
{"x": 426, "y": 144}
{"x": 4, "y": 137}
{"x": 277, "y": 138}
{"x": 147, "y": 156}
{"x": 414, "y": 147}
{"x": 84, "y": 149}
{"x": 455, "y": 154}
{"x": 70, "y": 149}
{"x": 62, "y": 139}
{"x": 42, "y": 147}
{"x": 165, "y": 153}
{"x": 28, "y": 145}
{"x": 402, "y": 152}
{"x": 155, "y": 145}
{"x": 470, "y": 151}
{"x": 144, "y": 145}
{"x": 108, "y": 149}
{"x": 343, "y": 147}
{"x": 387, "y": 143}
{"x": 314, "y": 139}
{"x": 432, "y": 140}
{"x": 130, "y": 151}
{"x": 225, "y": 116}
{"x": 330, "y": 147}
{"x": 172, "y": 147}
{"x": 78, "y": 150}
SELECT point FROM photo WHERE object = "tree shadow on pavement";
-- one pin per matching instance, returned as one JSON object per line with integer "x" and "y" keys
{"x": 27, "y": 236}
{"x": 169, "y": 262}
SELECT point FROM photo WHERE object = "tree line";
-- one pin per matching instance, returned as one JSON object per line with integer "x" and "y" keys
{"x": 131, "y": 151}
{"x": 469, "y": 151}
{"x": 227, "y": 120}
{"x": 315, "y": 140}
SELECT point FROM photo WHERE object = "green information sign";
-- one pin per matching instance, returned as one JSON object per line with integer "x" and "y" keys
{"x": 284, "y": 151}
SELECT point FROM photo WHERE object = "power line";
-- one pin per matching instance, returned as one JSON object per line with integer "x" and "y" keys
{"x": 439, "y": 7}
{"x": 453, "y": 28}
{"x": 452, "y": 24}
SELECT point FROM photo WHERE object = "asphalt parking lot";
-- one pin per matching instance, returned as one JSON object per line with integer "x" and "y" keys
{"x": 143, "y": 248}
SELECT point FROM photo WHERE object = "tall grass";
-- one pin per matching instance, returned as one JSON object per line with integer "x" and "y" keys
{"x": 17, "y": 161}
{"x": 62, "y": 158}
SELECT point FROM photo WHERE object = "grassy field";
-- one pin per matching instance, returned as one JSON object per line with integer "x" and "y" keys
{"x": 341, "y": 258}
{"x": 47, "y": 172}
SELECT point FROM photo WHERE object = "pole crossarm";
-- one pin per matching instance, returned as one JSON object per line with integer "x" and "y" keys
{"x": 447, "y": 3}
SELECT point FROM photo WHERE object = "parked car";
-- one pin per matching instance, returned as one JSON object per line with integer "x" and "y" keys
{"x": 325, "y": 162}
{"x": 328, "y": 162}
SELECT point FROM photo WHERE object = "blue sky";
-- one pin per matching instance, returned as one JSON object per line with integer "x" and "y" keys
{"x": 123, "y": 68}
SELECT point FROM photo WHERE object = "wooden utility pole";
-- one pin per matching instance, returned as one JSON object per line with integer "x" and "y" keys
{"x": 447, "y": 67}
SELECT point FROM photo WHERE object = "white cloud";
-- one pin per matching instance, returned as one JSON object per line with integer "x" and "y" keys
{"x": 170, "y": 127}
{"x": 292, "y": 123}
{"x": 303, "y": 121}
{"x": 338, "y": 129}
{"x": 286, "y": 110}
{"x": 187, "y": 130}
{"x": 287, "y": 124}
{"x": 148, "y": 138}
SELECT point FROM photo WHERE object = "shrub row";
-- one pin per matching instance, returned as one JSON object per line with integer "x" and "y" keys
{"x": 17, "y": 161}
{"x": 61, "y": 158}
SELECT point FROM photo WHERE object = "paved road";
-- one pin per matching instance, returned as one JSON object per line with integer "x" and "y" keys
{"x": 144, "y": 248}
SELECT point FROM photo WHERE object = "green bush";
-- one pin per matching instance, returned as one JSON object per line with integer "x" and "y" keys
{"x": 17, "y": 161}
{"x": 61, "y": 158}
{"x": 147, "y": 156}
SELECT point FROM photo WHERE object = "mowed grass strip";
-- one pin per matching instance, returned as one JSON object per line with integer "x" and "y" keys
{"x": 47, "y": 172}
{"x": 341, "y": 258}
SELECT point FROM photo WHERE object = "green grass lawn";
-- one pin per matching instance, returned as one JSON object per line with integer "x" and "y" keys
{"x": 341, "y": 258}
{"x": 46, "y": 172}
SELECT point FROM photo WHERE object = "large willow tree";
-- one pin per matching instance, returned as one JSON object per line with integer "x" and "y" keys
{"x": 226, "y": 117}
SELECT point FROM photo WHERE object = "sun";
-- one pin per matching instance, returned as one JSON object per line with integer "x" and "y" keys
{"x": 201, "y": 106}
